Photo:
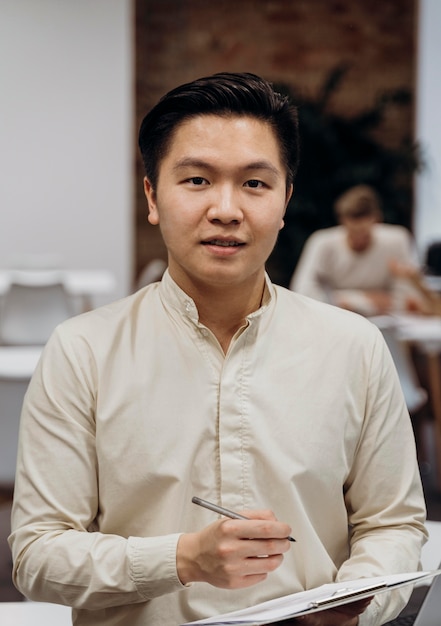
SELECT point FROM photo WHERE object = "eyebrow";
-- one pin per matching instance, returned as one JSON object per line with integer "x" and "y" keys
{"x": 254, "y": 165}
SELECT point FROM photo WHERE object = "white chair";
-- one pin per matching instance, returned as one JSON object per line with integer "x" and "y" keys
{"x": 34, "y": 304}
{"x": 36, "y": 261}
{"x": 415, "y": 395}
{"x": 151, "y": 273}
{"x": 17, "y": 364}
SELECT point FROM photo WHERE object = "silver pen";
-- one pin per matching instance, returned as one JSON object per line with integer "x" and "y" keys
{"x": 223, "y": 511}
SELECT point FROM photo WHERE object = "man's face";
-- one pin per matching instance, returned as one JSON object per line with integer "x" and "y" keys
{"x": 220, "y": 200}
{"x": 359, "y": 231}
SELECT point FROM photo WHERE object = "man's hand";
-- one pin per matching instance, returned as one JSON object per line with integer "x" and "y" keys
{"x": 233, "y": 554}
{"x": 346, "y": 615}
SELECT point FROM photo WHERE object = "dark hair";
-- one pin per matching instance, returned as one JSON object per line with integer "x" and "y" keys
{"x": 220, "y": 94}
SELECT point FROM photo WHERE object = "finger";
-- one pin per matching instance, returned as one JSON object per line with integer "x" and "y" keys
{"x": 262, "y": 565}
{"x": 257, "y": 529}
{"x": 259, "y": 514}
{"x": 249, "y": 572}
{"x": 260, "y": 548}
{"x": 249, "y": 548}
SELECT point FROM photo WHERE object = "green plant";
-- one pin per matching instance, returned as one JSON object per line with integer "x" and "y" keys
{"x": 337, "y": 152}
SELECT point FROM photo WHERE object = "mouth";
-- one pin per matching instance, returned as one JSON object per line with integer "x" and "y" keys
{"x": 224, "y": 243}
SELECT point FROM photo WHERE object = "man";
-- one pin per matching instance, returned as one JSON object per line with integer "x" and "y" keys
{"x": 350, "y": 265}
{"x": 214, "y": 383}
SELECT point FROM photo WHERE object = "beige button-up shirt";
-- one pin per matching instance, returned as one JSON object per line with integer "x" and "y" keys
{"x": 134, "y": 408}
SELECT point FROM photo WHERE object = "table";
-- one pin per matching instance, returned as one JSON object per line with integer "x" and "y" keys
{"x": 34, "y": 614}
{"x": 433, "y": 282}
{"x": 18, "y": 362}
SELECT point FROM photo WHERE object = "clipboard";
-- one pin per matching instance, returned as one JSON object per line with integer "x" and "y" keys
{"x": 318, "y": 599}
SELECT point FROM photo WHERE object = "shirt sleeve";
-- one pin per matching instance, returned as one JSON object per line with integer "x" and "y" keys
{"x": 383, "y": 492}
{"x": 58, "y": 552}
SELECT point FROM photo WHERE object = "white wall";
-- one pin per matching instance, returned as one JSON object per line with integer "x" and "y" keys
{"x": 427, "y": 223}
{"x": 66, "y": 140}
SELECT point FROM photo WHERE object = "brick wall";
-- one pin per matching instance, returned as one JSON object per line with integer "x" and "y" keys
{"x": 296, "y": 42}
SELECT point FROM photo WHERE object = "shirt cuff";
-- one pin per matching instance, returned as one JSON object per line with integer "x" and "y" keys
{"x": 153, "y": 565}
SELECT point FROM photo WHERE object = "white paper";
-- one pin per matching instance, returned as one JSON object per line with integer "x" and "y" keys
{"x": 318, "y": 599}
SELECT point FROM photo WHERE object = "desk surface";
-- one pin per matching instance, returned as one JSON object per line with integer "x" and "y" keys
{"x": 413, "y": 328}
{"x": 418, "y": 327}
{"x": 34, "y": 613}
{"x": 433, "y": 282}
{"x": 19, "y": 362}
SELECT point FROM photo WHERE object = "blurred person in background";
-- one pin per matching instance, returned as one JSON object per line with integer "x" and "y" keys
{"x": 351, "y": 265}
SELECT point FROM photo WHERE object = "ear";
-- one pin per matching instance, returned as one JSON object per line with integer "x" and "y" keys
{"x": 150, "y": 194}
{"x": 289, "y": 192}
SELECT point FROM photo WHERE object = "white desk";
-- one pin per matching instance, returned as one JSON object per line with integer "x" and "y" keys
{"x": 18, "y": 362}
{"x": 34, "y": 614}
{"x": 433, "y": 282}
{"x": 422, "y": 329}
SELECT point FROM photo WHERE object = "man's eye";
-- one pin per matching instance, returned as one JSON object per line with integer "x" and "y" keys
{"x": 197, "y": 180}
{"x": 254, "y": 184}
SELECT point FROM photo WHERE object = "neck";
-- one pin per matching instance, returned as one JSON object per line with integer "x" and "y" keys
{"x": 223, "y": 310}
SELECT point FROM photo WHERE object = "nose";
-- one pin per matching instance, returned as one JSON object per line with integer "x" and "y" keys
{"x": 224, "y": 206}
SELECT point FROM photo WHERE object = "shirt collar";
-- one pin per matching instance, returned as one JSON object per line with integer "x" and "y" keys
{"x": 185, "y": 305}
